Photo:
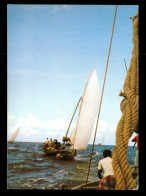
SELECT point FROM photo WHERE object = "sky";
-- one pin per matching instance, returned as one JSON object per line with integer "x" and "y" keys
{"x": 52, "y": 50}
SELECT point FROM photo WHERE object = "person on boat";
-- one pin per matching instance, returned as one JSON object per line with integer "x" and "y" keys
{"x": 62, "y": 147}
{"x": 108, "y": 182}
{"x": 57, "y": 145}
{"x": 46, "y": 144}
{"x": 51, "y": 143}
{"x": 136, "y": 140}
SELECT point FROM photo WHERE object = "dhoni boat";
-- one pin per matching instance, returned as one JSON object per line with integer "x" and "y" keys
{"x": 101, "y": 143}
{"x": 13, "y": 137}
{"x": 81, "y": 135}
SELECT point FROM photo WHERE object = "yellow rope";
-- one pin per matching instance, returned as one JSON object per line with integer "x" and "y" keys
{"x": 129, "y": 120}
{"x": 101, "y": 95}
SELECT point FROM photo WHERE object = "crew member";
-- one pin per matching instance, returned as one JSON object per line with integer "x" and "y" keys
{"x": 46, "y": 144}
{"x": 136, "y": 139}
{"x": 108, "y": 182}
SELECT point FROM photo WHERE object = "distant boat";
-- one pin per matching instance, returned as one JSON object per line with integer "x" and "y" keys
{"x": 14, "y": 136}
{"x": 81, "y": 134}
{"x": 103, "y": 138}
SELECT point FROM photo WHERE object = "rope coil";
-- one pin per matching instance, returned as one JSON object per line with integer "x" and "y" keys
{"x": 129, "y": 120}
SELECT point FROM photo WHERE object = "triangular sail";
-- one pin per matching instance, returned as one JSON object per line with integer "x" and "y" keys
{"x": 103, "y": 139}
{"x": 87, "y": 113}
{"x": 72, "y": 135}
{"x": 14, "y": 136}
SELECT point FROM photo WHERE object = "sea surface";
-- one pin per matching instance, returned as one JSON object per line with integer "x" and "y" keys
{"x": 29, "y": 168}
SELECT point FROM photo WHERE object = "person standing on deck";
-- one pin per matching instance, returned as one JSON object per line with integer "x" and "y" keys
{"x": 108, "y": 182}
{"x": 136, "y": 140}
{"x": 46, "y": 144}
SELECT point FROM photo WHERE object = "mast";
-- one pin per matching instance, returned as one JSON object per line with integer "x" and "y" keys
{"x": 72, "y": 117}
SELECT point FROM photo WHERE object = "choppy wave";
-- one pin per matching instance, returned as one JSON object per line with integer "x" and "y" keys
{"x": 29, "y": 168}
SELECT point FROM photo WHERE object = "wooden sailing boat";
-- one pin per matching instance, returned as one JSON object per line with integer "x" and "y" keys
{"x": 103, "y": 138}
{"x": 86, "y": 117}
{"x": 14, "y": 136}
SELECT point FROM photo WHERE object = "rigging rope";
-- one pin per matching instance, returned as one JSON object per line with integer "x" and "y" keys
{"x": 101, "y": 95}
{"x": 72, "y": 117}
{"x": 128, "y": 123}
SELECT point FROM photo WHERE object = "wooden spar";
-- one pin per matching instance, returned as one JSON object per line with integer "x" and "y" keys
{"x": 72, "y": 117}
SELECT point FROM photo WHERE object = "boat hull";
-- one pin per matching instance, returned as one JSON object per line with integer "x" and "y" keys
{"x": 60, "y": 154}
{"x": 94, "y": 184}
{"x": 51, "y": 152}
{"x": 90, "y": 186}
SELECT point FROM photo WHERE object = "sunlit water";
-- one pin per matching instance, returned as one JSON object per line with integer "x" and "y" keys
{"x": 29, "y": 168}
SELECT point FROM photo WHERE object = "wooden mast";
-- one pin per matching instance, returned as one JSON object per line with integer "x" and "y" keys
{"x": 72, "y": 118}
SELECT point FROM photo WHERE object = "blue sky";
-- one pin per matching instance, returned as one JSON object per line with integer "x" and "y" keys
{"x": 52, "y": 50}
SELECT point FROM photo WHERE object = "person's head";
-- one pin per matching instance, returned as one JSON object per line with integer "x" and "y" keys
{"x": 47, "y": 138}
{"x": 107, "y": 153}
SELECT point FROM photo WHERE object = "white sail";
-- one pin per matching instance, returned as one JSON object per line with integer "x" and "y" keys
{"x": 14, "y": 136}
{"x": 87, "y": 113}
{"x": 103, "y": 139}
{"x": 72, "y": 135}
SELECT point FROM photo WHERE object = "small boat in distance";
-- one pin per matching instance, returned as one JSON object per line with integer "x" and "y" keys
{"x": 103, "y": 138}
{"x": 11, "y": 140}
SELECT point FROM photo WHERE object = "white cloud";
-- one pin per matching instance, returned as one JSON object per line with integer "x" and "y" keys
{"x": 32, "y": 126}
{"x": 30, "y": 122}
{"x": 10, "y": 117}
{"x": 106, "y": 128}
{"x": 57, "y": 8}
{"x": 57, "y": 124}
{"x": 29, "y": 132}
{"x": 103, "y": 125}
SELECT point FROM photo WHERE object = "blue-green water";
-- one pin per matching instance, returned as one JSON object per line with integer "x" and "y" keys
{"x": 29, "y": 168}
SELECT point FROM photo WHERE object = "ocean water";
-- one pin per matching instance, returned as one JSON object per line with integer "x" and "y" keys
{"x": 29, "y": 168}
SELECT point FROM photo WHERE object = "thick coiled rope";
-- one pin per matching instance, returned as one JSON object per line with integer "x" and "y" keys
{"x": 129, "y": 120}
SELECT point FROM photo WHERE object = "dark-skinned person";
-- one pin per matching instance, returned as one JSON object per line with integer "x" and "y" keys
{"x": 108, "y": 181}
